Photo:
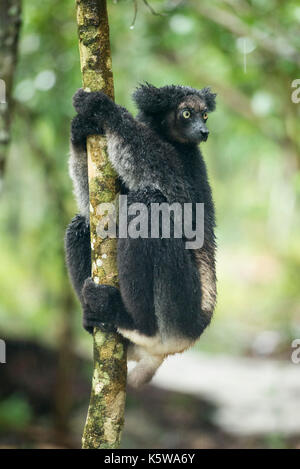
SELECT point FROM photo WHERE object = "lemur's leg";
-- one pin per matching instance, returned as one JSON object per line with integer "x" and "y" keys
{"x": 161, "y": 288}
{"x": 133, "y": 149}
{"x": 78, "y": 252}
{"x": 78, "y": 255}
{"x": 135, "y": 268}
{"x": 100, "y": 303}
{"x": 159, "y": 280}
{"x": 178, "y": 291}
{"x": 136, "y": 265}
{"x": 81, "y": 128}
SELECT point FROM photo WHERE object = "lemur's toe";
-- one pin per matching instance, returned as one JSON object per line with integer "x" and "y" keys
{"x": 93, "y": 319}
{"x": 82, "y": 126}
{"x": 100, "y": 299}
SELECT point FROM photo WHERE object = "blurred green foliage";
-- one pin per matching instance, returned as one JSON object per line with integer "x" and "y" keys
{"x": 15, "y": 413}
{"x": 252, "y": 155}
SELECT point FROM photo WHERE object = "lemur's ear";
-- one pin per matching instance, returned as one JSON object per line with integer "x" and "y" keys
{"x": 209, "y": 98}
{"x": 150, "y": 99}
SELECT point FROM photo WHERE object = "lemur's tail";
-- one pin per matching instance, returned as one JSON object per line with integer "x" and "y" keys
{"x": 145, "y": 369}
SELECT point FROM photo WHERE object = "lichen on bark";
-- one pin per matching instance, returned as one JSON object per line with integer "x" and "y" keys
{"x": 106, "y": 410}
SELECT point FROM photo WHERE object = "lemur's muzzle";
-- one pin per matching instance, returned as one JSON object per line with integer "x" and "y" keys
{"x": 202, "y": 132}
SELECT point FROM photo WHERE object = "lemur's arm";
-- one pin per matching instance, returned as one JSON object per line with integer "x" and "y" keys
{"x": 81, "y": 127}
{"x": 139, "y": 156}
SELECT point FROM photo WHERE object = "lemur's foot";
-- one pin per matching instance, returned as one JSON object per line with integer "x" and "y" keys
{"x": 100, "y": 305}
{"x": 82, "y": 126}
{"x": 91, "y": 103}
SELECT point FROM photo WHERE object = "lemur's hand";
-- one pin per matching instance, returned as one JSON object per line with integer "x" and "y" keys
{"x": 93, "y": 103}
{"x": 82, "y": 126}
{"x": 101, "y": 304}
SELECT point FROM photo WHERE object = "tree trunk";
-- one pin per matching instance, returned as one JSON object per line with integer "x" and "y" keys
{"x": 106, "y": 410}
{"x": 10, "y": 21}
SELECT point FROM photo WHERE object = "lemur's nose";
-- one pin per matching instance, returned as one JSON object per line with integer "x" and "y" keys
{"x": 204, "y": 134}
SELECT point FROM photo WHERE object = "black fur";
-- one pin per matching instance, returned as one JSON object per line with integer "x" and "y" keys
{"x": 152, "y": 100}
{"x": 160, "y": 284}
{"x": 81, "y": 127}
{"x": 78, "y": 252}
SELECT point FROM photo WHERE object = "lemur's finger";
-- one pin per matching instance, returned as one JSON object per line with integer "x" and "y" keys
{"x": 83, "y": 126}
{"x": 79, "y": 99}
{"x": 90, "y": 102}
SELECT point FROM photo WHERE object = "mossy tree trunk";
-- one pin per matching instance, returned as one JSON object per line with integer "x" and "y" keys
{"x": 106, "y": 410}
{"x": 10, "y": 21}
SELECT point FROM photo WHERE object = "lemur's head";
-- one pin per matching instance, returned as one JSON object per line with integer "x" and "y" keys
{"x": 179, "y": 112}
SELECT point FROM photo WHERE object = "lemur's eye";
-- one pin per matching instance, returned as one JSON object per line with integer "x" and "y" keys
{"x": 186, "y": 114}
{"x": 205, "y": 116}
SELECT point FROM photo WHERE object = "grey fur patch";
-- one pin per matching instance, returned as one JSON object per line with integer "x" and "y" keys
{"x": 120, "y": 155}
{"x": 207, "y": 279}
{"x": 78, "y": 169}
{"x": 149, "y": 353}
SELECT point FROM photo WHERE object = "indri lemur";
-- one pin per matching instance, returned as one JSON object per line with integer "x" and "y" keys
{"x": 167, "y": 293}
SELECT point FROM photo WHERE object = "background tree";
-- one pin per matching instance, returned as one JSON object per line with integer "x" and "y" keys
{"x": 10, "y": 22}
